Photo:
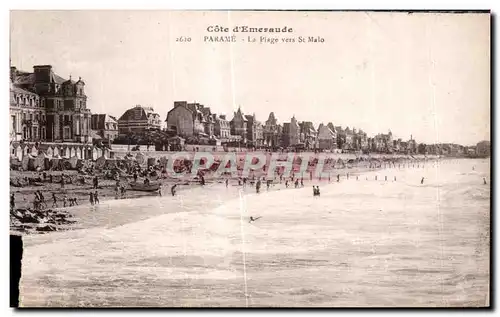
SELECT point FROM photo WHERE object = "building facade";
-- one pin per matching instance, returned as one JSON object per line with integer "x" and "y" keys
{"x": 138, "y": 120}
{"x": 239, "y": 125}
{"x": 255, "y": 134}
{"x": 272, "y": 132}
{"x": 308, "y": 135}
{"x": 222, "y": 127}
{"x": 106, "y": 126}
{"x": 291, "y": 133}
{"x": 326, "y": 138}
{"x": 47, "y": 107}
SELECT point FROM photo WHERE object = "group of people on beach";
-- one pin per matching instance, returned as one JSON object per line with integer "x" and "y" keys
{"x": 94, "y": 197}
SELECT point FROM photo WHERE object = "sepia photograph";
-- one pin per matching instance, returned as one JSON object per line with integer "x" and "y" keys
{"x": 249, "y": 159}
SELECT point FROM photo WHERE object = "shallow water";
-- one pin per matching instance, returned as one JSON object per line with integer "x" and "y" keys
{"x": 362, "y": 243}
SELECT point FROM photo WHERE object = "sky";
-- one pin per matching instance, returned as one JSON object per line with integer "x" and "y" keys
{"x": 421, "y": 75}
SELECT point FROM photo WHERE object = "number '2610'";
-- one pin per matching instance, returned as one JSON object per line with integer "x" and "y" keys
{"x": 183, "y": 39}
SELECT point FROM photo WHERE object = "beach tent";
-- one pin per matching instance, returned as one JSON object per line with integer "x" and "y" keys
{"x": 140, "y": 158}
{"x": 56, "y": 163}
{"x": 50, "y": 151}
{"x": 57, "y": 152}
{"x": 95, "y": 155}
{"x": 78, "y": 152}
{"x": 66, "y": 152}
{"x": 25, "y": 162}
{"x": 31, "y": 162}
{"x": 25, "y": 150}
{"x": 101, "y": 162}
{"x": 73, "y": 162}
{"x": 19, "y": 152}
{"x": 42, "y": 161}
{"x": 163, "y": 161}
{"x": 33, "y": 151}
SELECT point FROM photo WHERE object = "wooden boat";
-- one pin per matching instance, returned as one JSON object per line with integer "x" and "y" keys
{"x": 145, "y": 187}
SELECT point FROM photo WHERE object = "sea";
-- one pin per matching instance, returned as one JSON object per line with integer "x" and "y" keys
{"x": 364, "y": 242}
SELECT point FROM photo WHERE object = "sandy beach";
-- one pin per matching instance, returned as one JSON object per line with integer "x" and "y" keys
{"x": 79, "y": 187}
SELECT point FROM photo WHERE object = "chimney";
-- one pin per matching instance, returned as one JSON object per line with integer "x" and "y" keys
{"x": 180, "y": 103}
{"x": 43, "y": 73}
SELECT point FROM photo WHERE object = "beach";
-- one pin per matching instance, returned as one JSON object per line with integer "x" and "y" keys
{"x": 363, "y": 242}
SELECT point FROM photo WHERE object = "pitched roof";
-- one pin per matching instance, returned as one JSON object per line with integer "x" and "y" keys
{"x": 145, "y": 113}
{"x": 58, "y": 79}
{"x": 22, "y": 91}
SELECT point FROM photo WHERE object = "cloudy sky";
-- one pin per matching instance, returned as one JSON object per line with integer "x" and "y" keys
{"x": 426, "y": 75}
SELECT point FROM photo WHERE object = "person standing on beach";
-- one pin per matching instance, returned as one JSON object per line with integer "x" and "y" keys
{"x": 62, "y": 180}
{"x": 286, "y": 183}
{"x": 65, "y": 199}
{"x": 12, "y": 202}
{"x": 484, "y": 181}
{"x": 422, "y": 181}
{"x": 338, "y": 178}
{"x": 302, "y": 182}
{"x": 172, "y": 190}
{"x": 96, "y": 182}
{"x": 227, "y": 182}
{"x": 54, "y": 200}
{"x": 91, "y": 198}
{"x": 96, "y": 197}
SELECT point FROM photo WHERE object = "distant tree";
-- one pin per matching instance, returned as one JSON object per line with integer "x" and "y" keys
{"x": 422, "y": 148}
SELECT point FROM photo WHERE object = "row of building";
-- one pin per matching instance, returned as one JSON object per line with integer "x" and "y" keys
{"x": 195, "y": 120}
{"x": 45, "y": 107}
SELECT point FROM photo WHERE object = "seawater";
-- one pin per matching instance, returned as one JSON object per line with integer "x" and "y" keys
{"x": 362, "y": 243}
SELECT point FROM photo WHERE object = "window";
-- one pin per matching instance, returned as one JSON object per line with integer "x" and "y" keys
{"x": 66, "y": 134}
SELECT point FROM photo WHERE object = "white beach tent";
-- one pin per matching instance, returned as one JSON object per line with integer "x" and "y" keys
{"x": 50, "y": 151}
{"x": 19, "y": 152}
